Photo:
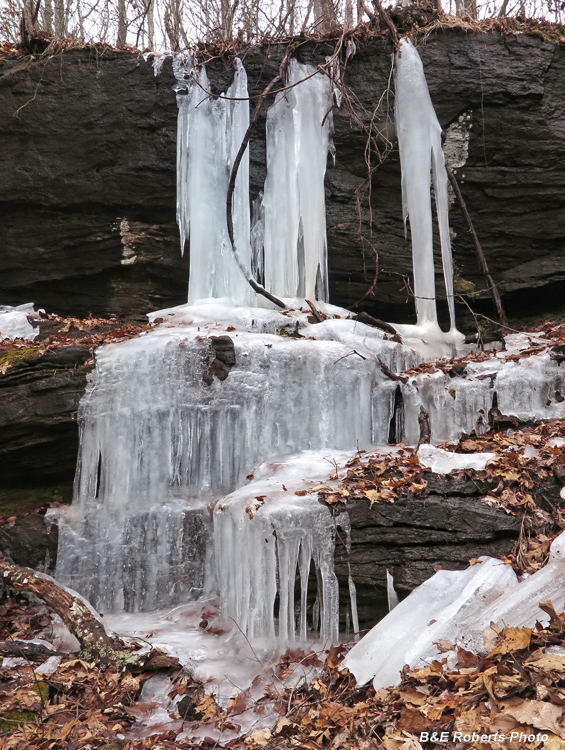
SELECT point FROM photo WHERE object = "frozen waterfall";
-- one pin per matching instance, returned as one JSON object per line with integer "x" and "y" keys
{"x": 209, "y": 133}
{"x": 176, "y": 419}
{"x": 298, "y": 131}
{"x": 198, "y": 436}
{"x": 290, "y": 231}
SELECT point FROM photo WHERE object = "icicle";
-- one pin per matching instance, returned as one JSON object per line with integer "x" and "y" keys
{"x": 421, "y": 153}
{"x": 391, "y": 594}
{"x": 344, "y": 523}
{"x": 264, "y": 537}
{"x": 210, "y": 132}
{"x": 298, "y": 127}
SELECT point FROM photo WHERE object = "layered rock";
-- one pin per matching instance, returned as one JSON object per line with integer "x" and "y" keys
{"x": 88, "y": 163}
{"x": 414, "y": 537}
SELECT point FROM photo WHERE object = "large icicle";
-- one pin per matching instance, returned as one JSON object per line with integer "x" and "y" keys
{"x": 209, "y": 134}
{"x": 298, "y": 130}
{"x": 421, "y": 153}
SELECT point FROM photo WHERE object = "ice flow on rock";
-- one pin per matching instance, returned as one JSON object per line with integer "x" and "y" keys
{"x": 456, "y": 606}
{"x": 166, "y": 431}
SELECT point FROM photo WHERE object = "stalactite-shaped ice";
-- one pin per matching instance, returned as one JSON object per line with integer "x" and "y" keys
{"x": 298, "y": 131}
{"x": 421, "y": 153}
{"x": 268, "y": 543}
{"x": 209, "y": 133}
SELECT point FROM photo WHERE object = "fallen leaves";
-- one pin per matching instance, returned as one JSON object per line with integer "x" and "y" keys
{"x": 538, "y": 714}
{"x": 57, "y": 333}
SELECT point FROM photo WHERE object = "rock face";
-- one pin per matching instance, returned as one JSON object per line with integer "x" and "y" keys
{"x": 87, "y": 157}
{"x": 39, "y": 396}
{"x": 415, "y": 536}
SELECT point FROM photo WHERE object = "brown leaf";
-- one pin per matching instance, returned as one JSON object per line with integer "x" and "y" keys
{"x": 546, "y": 662}
{"x": 335, "y": 657}
{"x": 512, "y": 639}
{"x": 258, "y": 739}
{"x": 538, "y": 714}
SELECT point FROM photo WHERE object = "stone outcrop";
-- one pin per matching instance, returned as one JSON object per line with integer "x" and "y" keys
{"x": 39, "y": 396}
{"x": 415, "y": 536}
{"x": 87, "y": 157}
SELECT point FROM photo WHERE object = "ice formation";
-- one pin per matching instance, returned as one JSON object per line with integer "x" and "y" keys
{"x": 289, "y": 235}
{"x": 456, "y": 606}
{"x": 175, "y": 422}
{"x": 419, "y": 141}
{"x": 444, "y": 462}
{"x": 15, "y": 322}
{"x": 267, "y": 537}
{"x": 164, "y": 433}
{"x": 298, "y": 131}
{"x": 209, "y": 133}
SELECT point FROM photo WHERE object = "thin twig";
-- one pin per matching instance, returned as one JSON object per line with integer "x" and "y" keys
{"x": 478, "y": 249}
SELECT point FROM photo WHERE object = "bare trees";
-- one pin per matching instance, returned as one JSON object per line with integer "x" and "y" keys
{"x": 174, "y": 24}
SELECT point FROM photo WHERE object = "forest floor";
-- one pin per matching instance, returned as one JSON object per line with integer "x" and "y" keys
{"x": 508, "y": 697}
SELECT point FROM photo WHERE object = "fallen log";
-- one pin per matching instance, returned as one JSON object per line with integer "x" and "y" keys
{"x": 82, "y": 620}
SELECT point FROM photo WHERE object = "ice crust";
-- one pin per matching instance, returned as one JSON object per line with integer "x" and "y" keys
{"x": 14, "y": 322}
{"x": 158, "y": 445}
{"x": 444, "y": 462}
{"x": 456, "y": 606}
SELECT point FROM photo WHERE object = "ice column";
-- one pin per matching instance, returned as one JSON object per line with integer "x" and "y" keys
{"x": 298, "y": 132}
{"x": 419, "y": 140}
{"x": 209, "y": 134}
